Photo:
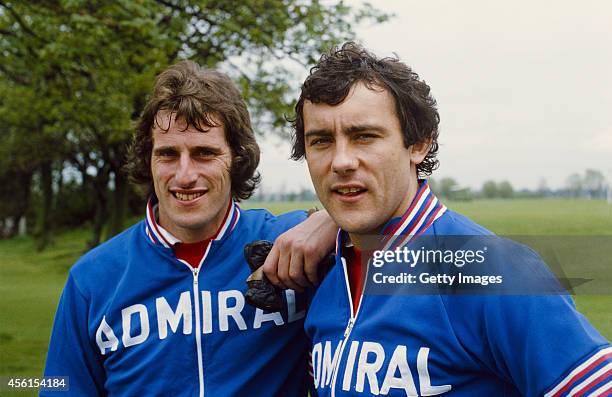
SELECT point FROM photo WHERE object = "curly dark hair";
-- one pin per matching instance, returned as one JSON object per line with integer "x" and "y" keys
{"x": 338, "y": 70}
{"x": 200, "y": 97}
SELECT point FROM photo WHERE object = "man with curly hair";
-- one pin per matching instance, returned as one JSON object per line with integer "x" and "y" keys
{"x": 159, "y": 309}
{"x": 368, "y": 128}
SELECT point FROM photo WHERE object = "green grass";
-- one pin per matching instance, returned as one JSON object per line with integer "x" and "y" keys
{"x": 540, "y": 217}
{"x": 31, "y": 282}
{"x": 30, "y": 285}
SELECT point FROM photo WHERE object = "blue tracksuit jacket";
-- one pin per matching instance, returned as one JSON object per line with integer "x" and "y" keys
{"x": 133, "y": 320}
{"x": 427, "y": 343}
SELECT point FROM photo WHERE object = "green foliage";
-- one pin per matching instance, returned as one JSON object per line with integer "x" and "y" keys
{"x": 449, "y": 189}
{"x": 446, "y": 186}
{"x": 592, "y": 184}
{"x": 75, "y": 75}
{"x": 492, "y": 189}
{"x": 489, "y": 189}
{"x": 505, "y": 190}
{"x": 74, "y": 205}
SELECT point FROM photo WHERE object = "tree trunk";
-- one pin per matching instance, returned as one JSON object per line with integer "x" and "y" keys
{"x": 120, "y": 203}
{"x": 100, "y": 182}
{"x": 43, "y": 229}
{"x": 60, "y": 181}
{"x": 22, "y": 203}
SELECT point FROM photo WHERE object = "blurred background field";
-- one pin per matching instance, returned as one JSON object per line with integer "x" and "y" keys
{"x": 31, "y": 282}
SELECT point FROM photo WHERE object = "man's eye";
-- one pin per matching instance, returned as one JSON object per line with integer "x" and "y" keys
{"x": 166, "y": 153}
{"x": 320, "y": 141}
{"x": 204, "y": 153}
{"x": 364, "y": 137}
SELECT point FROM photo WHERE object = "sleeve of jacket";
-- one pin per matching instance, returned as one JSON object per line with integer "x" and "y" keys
{"x": 71, "y": 351}
{"x": 539, "y": 343}
{"x": 547, "y": 347}
{"x": 542, "y": 342}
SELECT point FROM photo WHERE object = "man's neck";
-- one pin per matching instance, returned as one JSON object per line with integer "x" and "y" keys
{"x": 196, "y": 234}
{"x": 360, "y": 239}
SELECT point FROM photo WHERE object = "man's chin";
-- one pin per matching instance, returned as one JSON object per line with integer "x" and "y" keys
{"x": 355, "y": 226}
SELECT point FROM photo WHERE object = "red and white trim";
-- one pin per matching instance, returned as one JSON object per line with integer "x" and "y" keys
{"x": 420, "y": 215}
{"x": 591, "y": 378}
{"x": 604, "y": 391}
{"x": 158, "y": 235}
{"x": 228, "y": 221}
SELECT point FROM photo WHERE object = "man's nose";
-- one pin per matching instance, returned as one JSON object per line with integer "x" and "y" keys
{"x": 345, "y": 159}
{"x": 186, "y": 173}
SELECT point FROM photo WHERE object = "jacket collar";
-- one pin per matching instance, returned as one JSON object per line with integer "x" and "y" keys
{"x": 160, "y": 236}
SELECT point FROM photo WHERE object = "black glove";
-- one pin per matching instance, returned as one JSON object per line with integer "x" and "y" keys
{"x": 261, "y": 292}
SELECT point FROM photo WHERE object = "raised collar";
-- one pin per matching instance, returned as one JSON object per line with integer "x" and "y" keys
{"x": 158, "y": 235}
{"x": 424, "y": 209}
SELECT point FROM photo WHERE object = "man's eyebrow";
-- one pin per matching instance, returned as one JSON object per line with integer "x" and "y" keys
{"x": 317, "y": 132}
{"x": 210, "y": 148}
{"x": 364, "y": 127}
{"x": 160, "y": 149}
{"x": 348, "y": 130}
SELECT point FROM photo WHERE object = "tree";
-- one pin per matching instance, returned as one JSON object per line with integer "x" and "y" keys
{"x": 594, "y": 183}
{"x": 543, "y": 189}
{"x": 490, "y": 189}
{"x": 87, "y": 67}
{"x": 446, "y": 187}
{"x": 505, "y": 190}
{"x": 574, "y": 185}
{"x": 433, "y": 185}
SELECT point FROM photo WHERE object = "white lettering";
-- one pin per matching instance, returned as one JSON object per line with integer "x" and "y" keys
{"x": 206, "y": 312}
{"x": 126, "y": 318}
{"x": 165, "y": 315}
{"x": 329, "y": 364}
{"x": 369, "y": 369}
{"x": 291, "y": 313}
{"x": 316, "y": 363}
{"x": 426, "y": 388}
{"x": 111, "y": 341}
{"x": 226, "y": 311}
{"x": 260, "y": 317}
{"x": 350, "y": 364}
{"x": 399, "y": 361}
{"x": 378, "y": 278}
{"x": 377, "y": 258}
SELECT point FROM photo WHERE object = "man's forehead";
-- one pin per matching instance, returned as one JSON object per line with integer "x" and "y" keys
{"x": 179, "y": 133}
{"x": 166, "y": 121}
{"x": 359, "y": 94}
{"x": 362, "y": 106}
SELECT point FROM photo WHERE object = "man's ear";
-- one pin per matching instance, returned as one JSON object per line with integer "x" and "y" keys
{"x": 419, "y": 151}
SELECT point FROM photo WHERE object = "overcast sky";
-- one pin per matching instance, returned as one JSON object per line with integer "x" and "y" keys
{"x": 524, "y": 88}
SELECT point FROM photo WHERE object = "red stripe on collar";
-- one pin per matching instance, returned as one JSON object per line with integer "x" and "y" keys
{"x": 156, "y": 232}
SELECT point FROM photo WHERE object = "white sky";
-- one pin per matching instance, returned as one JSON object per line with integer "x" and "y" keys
{"x": 524, "y": 88}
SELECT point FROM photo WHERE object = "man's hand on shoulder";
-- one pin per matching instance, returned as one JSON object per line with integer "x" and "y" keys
{"x": 294, "y": 258}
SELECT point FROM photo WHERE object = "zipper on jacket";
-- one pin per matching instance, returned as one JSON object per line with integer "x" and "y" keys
{"x": 198, "y": 324}
{"x": 351, "y": 322}
{"x": 198, "y": 330}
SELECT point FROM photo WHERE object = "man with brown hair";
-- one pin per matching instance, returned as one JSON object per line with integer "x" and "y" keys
{"x": 159, "y": 309}
{"x": 368, "y": 128}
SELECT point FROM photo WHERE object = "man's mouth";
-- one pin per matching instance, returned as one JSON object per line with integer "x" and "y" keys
{"x": 349, "y": 191}
{"x": 187, "y": 196}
